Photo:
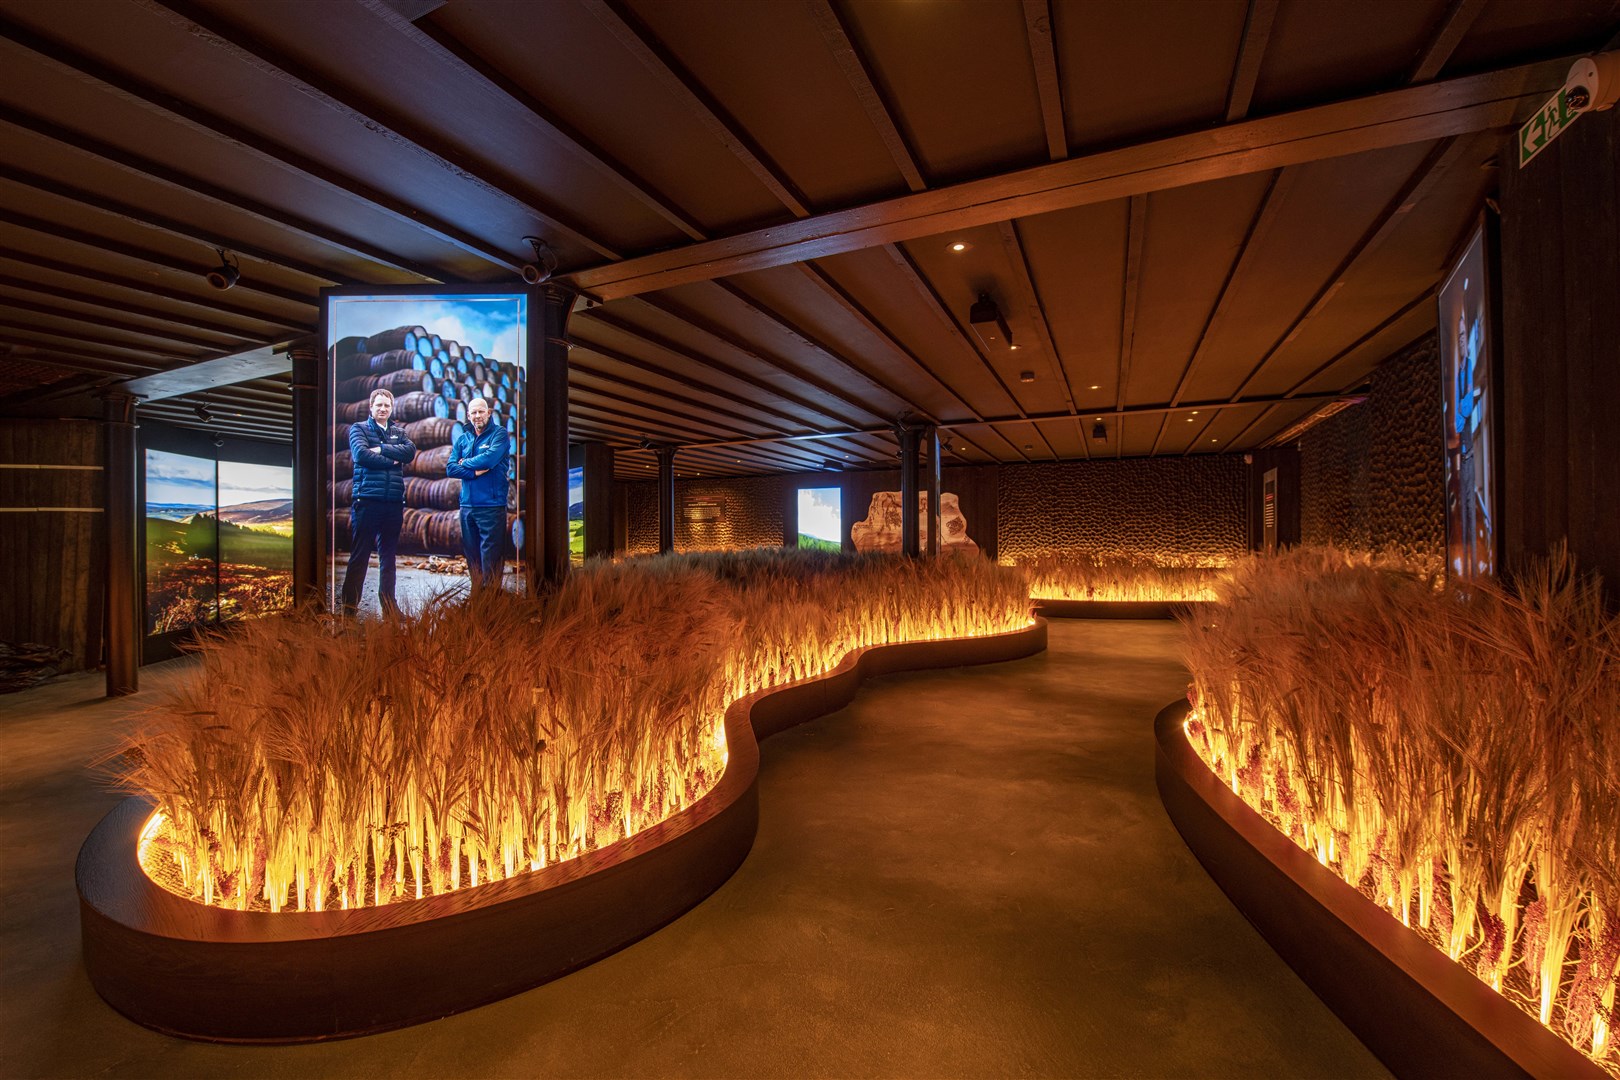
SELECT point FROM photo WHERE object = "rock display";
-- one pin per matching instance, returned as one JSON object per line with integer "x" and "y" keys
{"x": 881, "y": 529}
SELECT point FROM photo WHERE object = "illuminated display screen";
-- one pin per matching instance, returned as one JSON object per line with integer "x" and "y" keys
{"x": 436, "y": 353}
{"x": 821, "y": 519}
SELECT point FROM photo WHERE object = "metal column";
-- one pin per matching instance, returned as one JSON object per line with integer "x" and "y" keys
{"x": 546, "y": 458}
{"x": 666, "y": 499}
{"x": 310, "y": 499}
{"x": 909, "y": 476}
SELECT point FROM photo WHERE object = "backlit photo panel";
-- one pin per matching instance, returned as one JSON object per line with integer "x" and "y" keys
{"x": 1467, "y": 356}
{"x": 435, "y": 352}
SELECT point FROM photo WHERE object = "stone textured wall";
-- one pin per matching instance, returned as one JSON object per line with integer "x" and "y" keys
{"x": 710, "y": 515}
{"x": 1373, "y": 476}
{"x": 1175, "y": 507}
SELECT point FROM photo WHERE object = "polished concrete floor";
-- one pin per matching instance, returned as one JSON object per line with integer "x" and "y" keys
{"x": 965, "y": 873}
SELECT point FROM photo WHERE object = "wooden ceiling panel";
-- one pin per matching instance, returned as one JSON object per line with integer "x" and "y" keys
{"x": 1326, "y": 50}
{"x": 729, "y": 329}
{"x": 1065, "y": 437}
{"x": 1178, "y": 432}
{"x": 1194, "y": 236}
{"x": 840, "y": 346}
{"x": 1329, "y": 207}
{"x": 568, "y": 58}
{"x": 1350, "y": 366}
{"x": 785, "y": 88}
{"x": 1221, "y": 434}
{"x": 985, "y": 372}
{"x": 1077, "y": 261}
{"x": 1130, "y": 67}
{"x": 1505, "y": 31}
{"x": 959, "y": 79}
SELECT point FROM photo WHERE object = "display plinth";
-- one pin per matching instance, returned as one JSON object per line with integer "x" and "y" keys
{"x": 1419, "y": 1011}
{"x": 255, "y": 977}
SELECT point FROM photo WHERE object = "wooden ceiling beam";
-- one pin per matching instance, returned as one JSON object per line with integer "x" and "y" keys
{"x": 685, "y": 90}
{"x": 1246, "y": 72}
{"x": 14, "y": 347}
{"x": 159, "y": 334}
{"x": 836, "y": 292}
{"x": 1029, "y": 298}
{"x": 1043, "y": 57}
{"x": 155, "y": 258}
{"x": 1260, "y": 225}
{"x": 136, "y": 285}
{"x": 166, "y": 225}
{"x": 80, "y": 337}
{"x": 1135, "y": 238}
{"x": 443, "y": 48}
{"x": 720, "y": 368}
{"x": 24, "y": 42}
{"x": 725, "y": 337}
{"x": 574, "y": 367}
{"x": 235, "y": 335}
{"x": 603, "y": 394}
{"x": 924, "y": 289}
{"x": 1443, "y": 157}
{"x": 1414, "y": 114}
{"x": 802, "y": 335}
{"x": 1454, "y": 25}
{"x": 859, "y": 74}
{"x": 404, "y": 133}
{"x": 237, "y": 202}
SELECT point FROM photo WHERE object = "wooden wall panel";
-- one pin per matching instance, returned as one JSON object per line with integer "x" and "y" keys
{"x": 1560, "y": 278}
{"x": 51, "y": 536}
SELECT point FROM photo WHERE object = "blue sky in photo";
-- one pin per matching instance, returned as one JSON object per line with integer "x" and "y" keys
{"x": 576, "y": 485}
{"x": 821, "y": 513}
{"x": 491, "y": 325}
{"x": 179, "y": 479}
{"x": 240, "y": 483}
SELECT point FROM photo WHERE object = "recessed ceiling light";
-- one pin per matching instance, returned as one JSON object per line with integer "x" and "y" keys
{"x": 1094, "y": 386}
{"x": 1026, "y": 376}
{"x": 1013, "y": 347}
{"x": 1189, "y": 419}
{"x": 1195, "y": 412}
{"x": 1214, "y": 440}
{"x": 960, "y": 246}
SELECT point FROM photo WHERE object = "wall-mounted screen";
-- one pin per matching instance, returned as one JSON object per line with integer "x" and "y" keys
{"x": 576, "y": 515}
{"x": 255, "y": 538}
{"x": 821, "y": 519}
{"x": 1467, "y": 359}
{"x": 182, "y": 541}
{"x": 407, "y": 518}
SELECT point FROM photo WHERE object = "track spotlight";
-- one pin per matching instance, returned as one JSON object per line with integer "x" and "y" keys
{"x": 202, "y": 413}
{"x": 545, "y": 261}
{"x": 226, "y": 274}
{"x": 645, "y": 443}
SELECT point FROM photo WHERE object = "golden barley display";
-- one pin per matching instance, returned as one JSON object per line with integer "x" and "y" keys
{"x": 314, "y": 765}
{"x": 1121, "y": 577}
{"x": 1457, "y": 758}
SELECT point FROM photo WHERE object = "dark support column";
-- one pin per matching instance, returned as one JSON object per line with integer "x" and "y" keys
{"x": 598, "y": 499}
{"x": 666, "y": 499}
{"x": 546, "y": 457}
{"x": 310, "y": 497}
{"x": 931, "y": 481}
{"x": 123, "y": 578}
{"x": 909, "y": 475}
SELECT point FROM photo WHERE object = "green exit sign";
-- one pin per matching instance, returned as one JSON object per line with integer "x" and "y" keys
{"x": 1548, "y": 123}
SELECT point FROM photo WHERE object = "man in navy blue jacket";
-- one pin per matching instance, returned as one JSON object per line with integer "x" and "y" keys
{"x": 479, "y": 459}
{"x": 380, "y": 451}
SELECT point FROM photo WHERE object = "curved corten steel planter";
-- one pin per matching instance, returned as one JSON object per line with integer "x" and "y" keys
{"x": 1420, "y": 1012}
{"x": 255, "y": 977}
{"x": 1115, "y": 609}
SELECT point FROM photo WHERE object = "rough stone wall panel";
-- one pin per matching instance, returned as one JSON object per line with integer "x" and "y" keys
{"x": 710, "y": 515}
{"x": 1373, "y": 476}
{"x": 1176, "y": 508}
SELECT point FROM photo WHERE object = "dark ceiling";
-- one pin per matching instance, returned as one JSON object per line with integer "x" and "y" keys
{"x": 1203, "y": 220}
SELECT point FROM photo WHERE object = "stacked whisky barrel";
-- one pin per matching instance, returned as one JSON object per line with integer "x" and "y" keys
{"x": 432, "y": 380}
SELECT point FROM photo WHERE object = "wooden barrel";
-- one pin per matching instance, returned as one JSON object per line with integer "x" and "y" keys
{"x": 410, "y": 529}
{"x": 514, "y": 534}
{"x": 463, "y": 366}
{"x": 342, "y": 531}
{"x": 391, "y": 339}
{"x": 342, "y": 465}
{"x": 429, "y": 463}
{"x": 348, "y": 345}
{"x": 441, "y": 532}
{"x": 452, "y": 349}
{"x": 460, "y": 412}
{"x": 427, "y": 494}
{"x": 396, "y": 382}
{"x": 434, "y": 431}
{"x": 418, "y": 406}
{"x": 352, "y": 412}
{"x": 435, "y": 368}
{"x": 343, "y": 492}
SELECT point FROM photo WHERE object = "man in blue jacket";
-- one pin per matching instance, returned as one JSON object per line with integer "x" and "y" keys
{"x": 479, "y": 459}
{"x": 380, "y": 451}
